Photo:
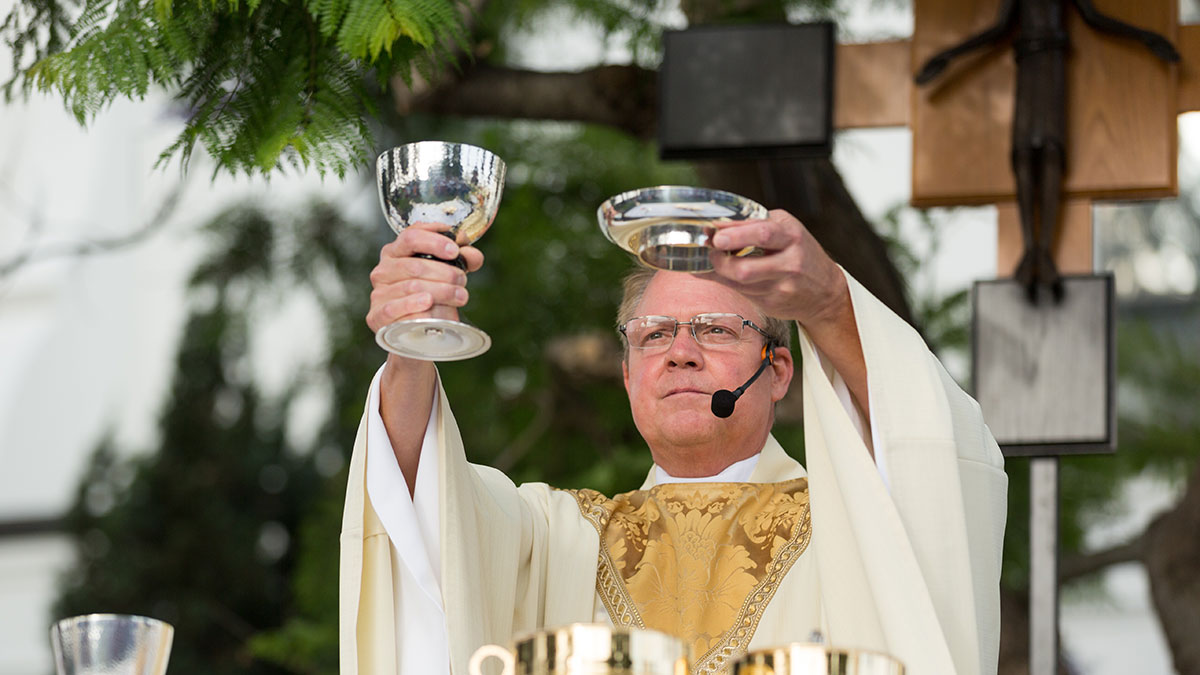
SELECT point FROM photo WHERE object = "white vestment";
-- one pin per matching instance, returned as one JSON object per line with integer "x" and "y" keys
{"x": 910, "y": 569}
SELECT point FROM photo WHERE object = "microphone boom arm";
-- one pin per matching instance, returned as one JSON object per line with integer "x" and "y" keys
{"x": 724, "y": 400}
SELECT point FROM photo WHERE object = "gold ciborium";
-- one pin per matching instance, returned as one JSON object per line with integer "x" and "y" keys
{"x": 815, "y": 659}
{"x": 588, "y": 649}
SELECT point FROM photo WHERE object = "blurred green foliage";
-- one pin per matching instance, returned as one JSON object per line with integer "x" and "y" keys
{"x": 262, "y": 85}
{"x": 197, "y": 531}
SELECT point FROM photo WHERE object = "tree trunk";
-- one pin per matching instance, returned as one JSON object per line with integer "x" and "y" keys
{"x": 1014, "y": 633}
{"x": 1171, "y": 555}
{"x": 1014, "y": 636}
{"x": 624, "y": 97}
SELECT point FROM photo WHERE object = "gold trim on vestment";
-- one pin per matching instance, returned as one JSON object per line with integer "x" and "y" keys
{"x": 699, "y": 560}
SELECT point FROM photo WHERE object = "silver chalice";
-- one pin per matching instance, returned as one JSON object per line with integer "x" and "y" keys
{"x": 452, "y": 185}
{"x": 111, "y": 644}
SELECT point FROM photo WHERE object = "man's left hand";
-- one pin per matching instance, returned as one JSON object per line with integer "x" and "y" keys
{"x": 794, "y": 278}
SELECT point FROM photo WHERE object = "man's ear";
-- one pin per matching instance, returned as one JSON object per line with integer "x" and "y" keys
{"x": 783, "y": 368}
{"x": 625, "y": 373}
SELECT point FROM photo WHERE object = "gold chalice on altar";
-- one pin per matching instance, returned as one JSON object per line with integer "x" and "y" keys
{"x": 670, "y": 226}
{"x": 588, "y": 649}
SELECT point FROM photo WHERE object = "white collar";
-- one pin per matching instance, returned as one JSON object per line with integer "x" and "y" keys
{"x": 738, "y": 472}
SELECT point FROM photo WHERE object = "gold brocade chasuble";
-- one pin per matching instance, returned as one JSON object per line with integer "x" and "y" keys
{"x": 698, "y": 559}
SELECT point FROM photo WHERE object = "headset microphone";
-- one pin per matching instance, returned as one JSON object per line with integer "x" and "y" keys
{"x": 724, "y": 400}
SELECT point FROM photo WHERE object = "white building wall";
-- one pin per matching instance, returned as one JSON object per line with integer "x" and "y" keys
{"x": 29, "y": 571}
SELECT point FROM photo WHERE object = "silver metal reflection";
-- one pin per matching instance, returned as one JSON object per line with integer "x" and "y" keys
{"x": 454, "y": 185}
{"x": 815, "y": 659}
{"x": 670, "y": 226}
{"x": 588, "y": 649}
{"x": 111, "y": 644}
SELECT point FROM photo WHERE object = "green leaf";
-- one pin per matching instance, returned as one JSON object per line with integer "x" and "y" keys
{"x": 163, "y": 10}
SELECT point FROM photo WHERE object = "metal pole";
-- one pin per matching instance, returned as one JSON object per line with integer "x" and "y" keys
{"x": 1043, "y": 560}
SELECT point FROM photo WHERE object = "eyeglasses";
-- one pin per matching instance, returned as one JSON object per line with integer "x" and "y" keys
{"x": 713, "y": 329}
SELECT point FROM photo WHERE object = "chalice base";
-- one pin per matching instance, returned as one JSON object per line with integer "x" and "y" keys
{"x": 432, "y": 339}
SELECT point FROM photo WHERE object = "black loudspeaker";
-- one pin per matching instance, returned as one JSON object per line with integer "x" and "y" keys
{"x": 746, "y": 92}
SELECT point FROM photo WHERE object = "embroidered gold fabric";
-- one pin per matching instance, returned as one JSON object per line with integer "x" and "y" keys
{"x": 698, "y": 560}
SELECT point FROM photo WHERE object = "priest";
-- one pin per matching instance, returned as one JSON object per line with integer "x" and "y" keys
{"x": 889, "y": 540}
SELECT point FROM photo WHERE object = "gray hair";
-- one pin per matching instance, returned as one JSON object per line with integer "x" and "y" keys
{"x": 633, "y": 289}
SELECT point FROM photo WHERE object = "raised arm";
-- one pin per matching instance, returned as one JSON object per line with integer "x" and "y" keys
{"x": 1157, "y": 44}
{"x": 938, "y": 62}
{"x": 406, "y": 287}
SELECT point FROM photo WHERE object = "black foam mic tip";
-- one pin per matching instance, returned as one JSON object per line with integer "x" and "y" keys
{"x": 722, "y": 403}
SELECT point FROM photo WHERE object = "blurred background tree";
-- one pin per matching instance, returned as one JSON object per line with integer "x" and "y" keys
{"x": 229, "y": 528}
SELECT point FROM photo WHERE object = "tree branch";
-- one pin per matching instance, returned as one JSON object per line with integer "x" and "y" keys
{"x": 1081, "y": 565}
{"x": 624, "y": 97}
{"x": 90, "y": 246}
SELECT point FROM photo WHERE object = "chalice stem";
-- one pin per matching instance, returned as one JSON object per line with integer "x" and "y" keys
{"x": 459, "y": 262}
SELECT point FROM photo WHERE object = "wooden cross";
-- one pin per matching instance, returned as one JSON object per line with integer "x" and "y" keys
{"x": 1122, "y": 105}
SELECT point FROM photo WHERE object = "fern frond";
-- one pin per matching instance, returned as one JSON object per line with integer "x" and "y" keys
{"x": 265, "y": 85}
{"x": 33, "y": 30}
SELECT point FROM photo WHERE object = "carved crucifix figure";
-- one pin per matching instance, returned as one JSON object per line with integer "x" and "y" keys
{"x": 1039, "y": 120}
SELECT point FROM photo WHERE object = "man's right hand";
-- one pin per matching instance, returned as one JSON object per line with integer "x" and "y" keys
{"x": 407, "y": 287}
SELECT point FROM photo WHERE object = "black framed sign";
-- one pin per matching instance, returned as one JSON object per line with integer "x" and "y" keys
{"x": 756, "y": 91}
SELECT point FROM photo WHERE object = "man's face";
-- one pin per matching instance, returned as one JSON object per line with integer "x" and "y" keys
{"x": 670, "y": 392}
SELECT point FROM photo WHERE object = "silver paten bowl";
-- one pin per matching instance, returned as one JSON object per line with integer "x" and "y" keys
{"x": 670, "y": 226}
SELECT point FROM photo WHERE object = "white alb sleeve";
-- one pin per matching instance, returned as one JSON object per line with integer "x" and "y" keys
{"x": 866, "y": 431}
{"x": 412, "y": 524}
